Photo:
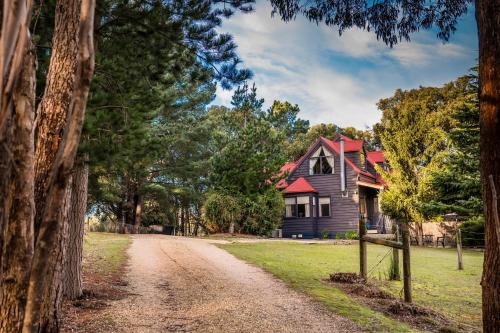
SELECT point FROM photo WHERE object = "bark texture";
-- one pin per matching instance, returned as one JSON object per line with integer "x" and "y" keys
{"x": 488, "y": 23}
{"x": 51, "y": 225}
{"x": 53, "y": 108}
{"x": 17, "y": 245}
{"x": 76, "y": 219}
{"x": 14, "y": 37}
{"x": 13, "y": 41}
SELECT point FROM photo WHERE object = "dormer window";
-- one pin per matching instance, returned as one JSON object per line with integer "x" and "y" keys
{"x": 321, "y": 162}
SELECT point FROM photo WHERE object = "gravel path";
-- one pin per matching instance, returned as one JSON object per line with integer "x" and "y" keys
{"x": 189, "y": 285}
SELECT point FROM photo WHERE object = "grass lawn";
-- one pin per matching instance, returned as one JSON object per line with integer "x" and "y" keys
{"x": 436, "y": 281}
{"x": 104, "y": 253}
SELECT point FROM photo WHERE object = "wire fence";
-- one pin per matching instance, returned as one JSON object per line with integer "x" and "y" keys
{"x": 120, "y": 228}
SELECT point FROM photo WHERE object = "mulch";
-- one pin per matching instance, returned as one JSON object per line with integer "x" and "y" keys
{"x": 85, "y": 315}
{"x": 372, "y": 296}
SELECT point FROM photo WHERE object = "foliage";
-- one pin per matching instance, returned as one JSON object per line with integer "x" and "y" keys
{"x": 157, "y": 65}
{"x": 247, "y": 153}
{"x": 413, "y": 132}
{"x": 339, "y": 235}
{"x": 352, "y": 234}
{"x": 221, "y": 210}
{"x": 431, "y": 141}
{"x": 391, "y": 21}
{"x": 457, "y": 185}
{"x": 473, "y": 232}
{"x": 325, "y": 234}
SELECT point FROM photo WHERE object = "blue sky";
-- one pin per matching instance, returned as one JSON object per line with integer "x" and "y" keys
{"x": 336, "y": 78}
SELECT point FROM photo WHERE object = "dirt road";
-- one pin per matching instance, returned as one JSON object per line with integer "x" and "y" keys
{"x": 189, "y": 285}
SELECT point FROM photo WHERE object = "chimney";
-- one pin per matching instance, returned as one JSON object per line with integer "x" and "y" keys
{"x": 342, "y": 166}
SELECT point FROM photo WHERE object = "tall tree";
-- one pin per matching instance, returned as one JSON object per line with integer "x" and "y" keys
{"x": 457, "y": 184}
{"x": 414, "y": 125}
{"x": 393, "y": 21}
{"x": 248, "y": 154}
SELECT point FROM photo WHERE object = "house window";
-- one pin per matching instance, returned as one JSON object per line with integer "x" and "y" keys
{"x": 297, "y": 207}
{"x": 290, "y": 207}
{"x": 324, "y": 206}
{"x": 303, "y": 207}
{"x": 321, "y": 162}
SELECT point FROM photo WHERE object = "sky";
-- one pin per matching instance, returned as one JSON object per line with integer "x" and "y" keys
{"x": 336, "y": 78}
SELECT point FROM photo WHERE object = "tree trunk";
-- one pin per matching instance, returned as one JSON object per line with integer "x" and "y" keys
{"x": 17, "y": 247}
{"x": 182, "y": 221}
{"x": 72, "y": 283}
{"x": 46, "y": 251}
{"x": 488, "y": 23}
{"x": 52, "y": 113}
{"x": 54, "y": 106}
{"x": 14, "y": 39}
{"x": 137, "y": 212}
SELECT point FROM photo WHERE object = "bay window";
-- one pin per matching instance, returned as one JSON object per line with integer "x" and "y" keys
{"x": 297, "y": 207}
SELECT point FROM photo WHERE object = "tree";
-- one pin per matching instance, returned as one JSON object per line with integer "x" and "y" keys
{"x": 456, "y": 185}
{"x": 248, "y": 153}
{"x": 414, "y": 125}
{"x": 283, "y": 116}
{"x": 393, "y": 21}
{"x": 33, "y": 307}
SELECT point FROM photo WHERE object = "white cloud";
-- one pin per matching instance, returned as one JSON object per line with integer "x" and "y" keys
{"x": 333, "y": 79}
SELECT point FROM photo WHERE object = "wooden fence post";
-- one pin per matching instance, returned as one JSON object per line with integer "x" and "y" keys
{"x": 362, "y": 248}
{"x": 459, "y": 250}
{"x": 395, "y": 275}
{"x": 406, "y": 262}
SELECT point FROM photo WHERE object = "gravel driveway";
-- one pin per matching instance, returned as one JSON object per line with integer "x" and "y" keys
{"x": 189, "y": 285}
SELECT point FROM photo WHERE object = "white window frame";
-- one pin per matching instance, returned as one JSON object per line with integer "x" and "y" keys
{"x": 321, "y": 202}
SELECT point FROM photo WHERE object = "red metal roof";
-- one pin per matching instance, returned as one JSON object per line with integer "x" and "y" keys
{"x": 350, "y": 145}
{"x": 300, "y": 186}
{"x": 375, "y": 157}
{"x": 288, "y": 167}
{"x": 282, "y": 183}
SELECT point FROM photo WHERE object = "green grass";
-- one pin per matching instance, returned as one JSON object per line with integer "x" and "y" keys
{"x": 436, "y": 281}
{"x": 104, "y": 253}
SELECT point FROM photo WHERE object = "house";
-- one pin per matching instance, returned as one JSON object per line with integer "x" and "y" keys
{"x": 330, "y": 187}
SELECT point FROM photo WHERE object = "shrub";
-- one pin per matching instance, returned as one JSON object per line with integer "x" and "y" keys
{"x": 222, "y": 210}
{"x": 352, "y": 235}
{"x": 473, "y": 231}
{"x": 258, "y": 214}
{"x": 339, "y": 235}
{"x": 325, "y": 234}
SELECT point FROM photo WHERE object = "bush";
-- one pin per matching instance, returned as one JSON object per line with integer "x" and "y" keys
{"x": 473, "y": 231}
{"x": 258, "y": 214}
{"x": 222, "y": 210}
{"x": 352, "y": 235}
{"x": 339, "y": 235}
{"x": 325, "y": 234}
{"x": 263, "y": 213}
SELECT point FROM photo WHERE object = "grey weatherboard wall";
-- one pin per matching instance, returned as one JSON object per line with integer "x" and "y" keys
{"x": 344, "y": 215}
